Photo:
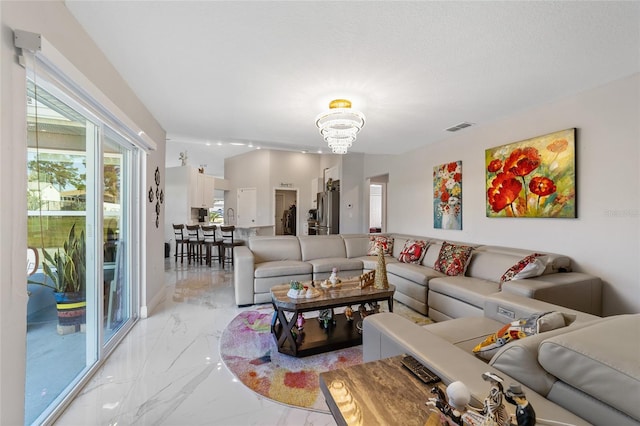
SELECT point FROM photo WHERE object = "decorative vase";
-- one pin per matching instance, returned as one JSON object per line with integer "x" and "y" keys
{"x": 450, "y": 221}
{"x": 381, "y": 281}
{"x": 72, "y": 312}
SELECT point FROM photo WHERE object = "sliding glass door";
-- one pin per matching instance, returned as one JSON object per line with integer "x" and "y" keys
{"x": 82, "y": 295}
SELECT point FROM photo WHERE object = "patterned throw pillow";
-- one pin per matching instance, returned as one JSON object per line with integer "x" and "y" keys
{"x": 519, "y": 329}
{"x": 534, "y": 268}
{"x": 453, "y": 259}
{"x": 378, "y": 240}
{"x": 413, "y": 251}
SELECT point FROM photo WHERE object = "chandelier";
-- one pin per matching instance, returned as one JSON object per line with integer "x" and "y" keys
{"x": 340, "y": 125}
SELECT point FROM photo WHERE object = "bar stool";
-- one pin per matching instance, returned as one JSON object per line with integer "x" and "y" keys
{"x": 210, "y": 241}
{"x": 182, "y": 241}
{"x": 195, "y": 243}
{"x": 228, "y": 243}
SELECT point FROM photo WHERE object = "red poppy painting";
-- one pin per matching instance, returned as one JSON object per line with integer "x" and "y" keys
{"x": 533, "y": 178}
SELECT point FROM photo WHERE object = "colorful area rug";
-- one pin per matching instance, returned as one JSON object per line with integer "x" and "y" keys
{"x": 249, "y": 351}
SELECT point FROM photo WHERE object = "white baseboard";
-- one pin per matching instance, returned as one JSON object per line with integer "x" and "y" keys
{"x": 147, "y": 310}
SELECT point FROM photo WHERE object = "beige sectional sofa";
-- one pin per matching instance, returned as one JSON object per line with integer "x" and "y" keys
{"x": 270, "y": 260}
{"x": 586, "y": 372}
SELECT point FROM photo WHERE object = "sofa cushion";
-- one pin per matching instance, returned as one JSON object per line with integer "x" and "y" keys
{"x": 341, "y": 264}
{"x": 464, "y": 332}
{"x": 322, "y": 246}
{"x": 600, "y": 360}
{"x": 510, "y": 255}
{"x": 370, "y": 262}
{"x": 416, "y": 273}
{"x": 491, "y": 265}
{"x": 375, "y": 241}
{"x": 281, "y": 268}
{"x": 270, "y": 248}
{"x": 432, "y": 254}
{"x": 356, "y": 245}
{"x": 413, "y": 251}
{"x": 473, "y": 291}
{"x": 262, "y": 286}
{"x": 453, "y": 259}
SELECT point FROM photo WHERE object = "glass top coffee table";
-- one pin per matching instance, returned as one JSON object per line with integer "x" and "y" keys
{"x": 314, "y": 338}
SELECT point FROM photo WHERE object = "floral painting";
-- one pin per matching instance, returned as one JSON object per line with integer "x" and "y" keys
{"x": 447, "y": 196}
{"x": 533, "y": 178}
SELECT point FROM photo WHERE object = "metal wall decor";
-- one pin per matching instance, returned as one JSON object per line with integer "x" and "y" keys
{"x": 157, "y": 195}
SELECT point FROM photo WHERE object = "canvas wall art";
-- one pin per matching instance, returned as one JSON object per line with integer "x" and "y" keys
{"x": 447, "y": 196}
{"x": 533, "y": 178}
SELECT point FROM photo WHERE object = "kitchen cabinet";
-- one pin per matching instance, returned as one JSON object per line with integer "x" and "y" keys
{"x": 202, "y": 191}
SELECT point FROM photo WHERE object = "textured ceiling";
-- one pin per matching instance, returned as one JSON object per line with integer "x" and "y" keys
{"x": 260, "y": 72}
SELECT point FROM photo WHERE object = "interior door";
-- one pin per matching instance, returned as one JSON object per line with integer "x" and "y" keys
{"x": 247, "y": 207}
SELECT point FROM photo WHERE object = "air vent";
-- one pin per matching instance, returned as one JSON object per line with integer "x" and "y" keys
{"x": 459, "y": 126}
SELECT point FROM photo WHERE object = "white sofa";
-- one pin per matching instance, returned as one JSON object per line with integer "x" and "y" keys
{"x": 270, "y": 260}
{"x": 589, "y": 368}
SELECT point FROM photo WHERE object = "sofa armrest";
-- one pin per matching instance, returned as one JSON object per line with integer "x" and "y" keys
{"x": 575, "y": 290}
{"x": 600, "y": 360}
{"x": 243, "y": 267}
{"x": 519, "y": 359}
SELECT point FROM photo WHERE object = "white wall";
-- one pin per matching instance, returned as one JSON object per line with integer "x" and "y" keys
{"x": 605, "y": 238}
{"x": 249, "y": 170}
{"x": 352, "y": 192}
{"x": 55, "y": 23}
{"x": 266, "y": 170}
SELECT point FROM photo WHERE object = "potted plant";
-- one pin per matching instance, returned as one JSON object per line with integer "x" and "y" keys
{"x": 67, "y": 270}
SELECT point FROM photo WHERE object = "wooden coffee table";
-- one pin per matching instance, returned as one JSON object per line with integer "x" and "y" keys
{"x": 313, "y": 338}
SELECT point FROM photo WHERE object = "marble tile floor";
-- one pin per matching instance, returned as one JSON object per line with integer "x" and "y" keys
{"x": 168, "y": 371}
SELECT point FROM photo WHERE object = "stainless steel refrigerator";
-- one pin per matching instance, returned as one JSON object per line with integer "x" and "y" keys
{"x": 328, "y": 212}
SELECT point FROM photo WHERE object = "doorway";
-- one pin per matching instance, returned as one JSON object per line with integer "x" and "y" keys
{"x": 286, "y": 211}
{"x": 378, "y": 204}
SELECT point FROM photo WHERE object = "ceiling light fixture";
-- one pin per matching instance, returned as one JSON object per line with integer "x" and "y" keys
{"x": 340, "y": 125}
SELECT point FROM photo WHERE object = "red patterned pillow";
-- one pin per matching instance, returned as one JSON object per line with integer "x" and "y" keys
{"x": 453, "y": 259}
{"x": 521, "y": 265}
{"x": 413, "y": 251}
{"x": 378, "y": 240}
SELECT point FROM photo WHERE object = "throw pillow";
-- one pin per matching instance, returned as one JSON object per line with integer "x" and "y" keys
{"x": 522, "y": 269}
{"x": 453, "y": 259}
{"x": 413, "y": 251}
{"x": 376, "y": 241}
{"x": 519, "y": 329}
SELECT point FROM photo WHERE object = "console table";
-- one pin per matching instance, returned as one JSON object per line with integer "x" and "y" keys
{"x": 313, "y": 338}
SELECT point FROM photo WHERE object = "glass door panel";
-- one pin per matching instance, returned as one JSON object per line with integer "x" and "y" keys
{"x": 61, "y": 292}
{"x": 116, "y": 230}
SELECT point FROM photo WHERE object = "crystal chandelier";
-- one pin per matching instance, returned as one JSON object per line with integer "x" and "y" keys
{"x": 340, "y": 125}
